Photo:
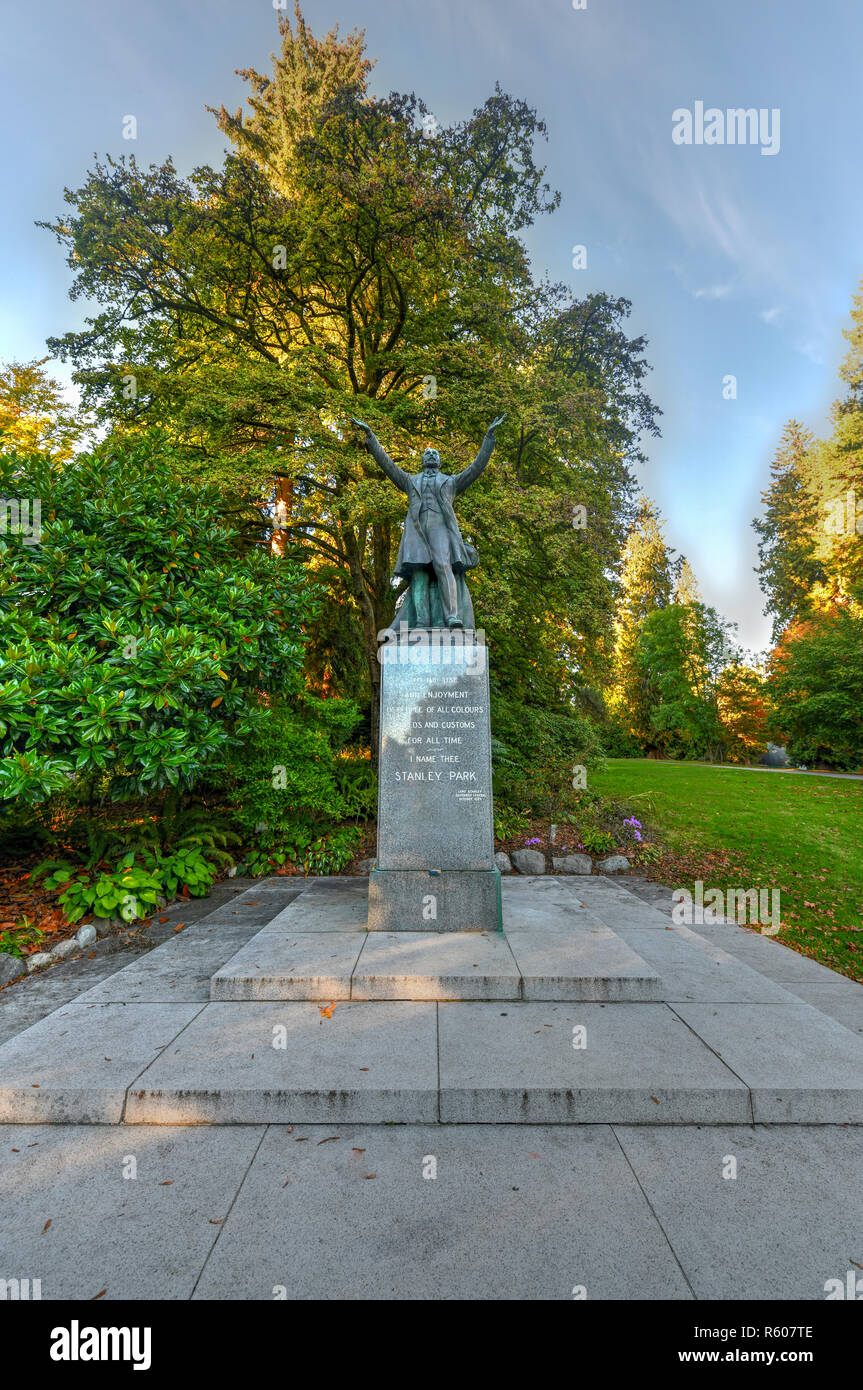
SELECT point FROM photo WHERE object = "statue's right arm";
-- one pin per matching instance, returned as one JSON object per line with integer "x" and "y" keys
{"x": 379, "y": 454}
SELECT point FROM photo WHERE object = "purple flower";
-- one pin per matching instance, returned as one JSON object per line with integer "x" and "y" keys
{"x": 532, "y": 842}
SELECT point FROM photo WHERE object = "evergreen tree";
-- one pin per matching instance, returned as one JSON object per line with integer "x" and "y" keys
{"x": 646, "y": 584}
{"x": 789, "y": 531}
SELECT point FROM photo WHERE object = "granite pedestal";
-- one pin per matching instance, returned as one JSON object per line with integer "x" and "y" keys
{"x": 435, "y": 861}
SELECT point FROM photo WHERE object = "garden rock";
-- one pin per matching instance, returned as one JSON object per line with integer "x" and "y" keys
{"x": 529, "y": 861}
{"x": 503, "y": 862}
{"x": 573, "y": 864}
{"x": 86, "y": 935}
{"x": 614, "y": 864}
{"x": 37, "y": 959}
{"x": 11, "y": 967}
{"x": 365, "y": 866}
{"x": 64, "y": 949}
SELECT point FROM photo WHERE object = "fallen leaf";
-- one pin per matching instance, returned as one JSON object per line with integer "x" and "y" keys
{"x": 169, "y": 1182}
{"x": 330, "y": 1140}
{"x": 101, "y": 1294}
{"x": 326, "y": 1010}
{"x": 47, "y": 1224}
{"x": 357, "y": 1151}
{"x": 370, "y": 1175}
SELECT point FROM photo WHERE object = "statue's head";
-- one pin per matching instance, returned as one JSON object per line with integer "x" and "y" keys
{"x": 431, "y": 459}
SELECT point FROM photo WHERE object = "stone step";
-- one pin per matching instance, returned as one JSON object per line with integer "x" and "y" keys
{"x": 398, "y": 1062}
{"x": 588, "y": 962}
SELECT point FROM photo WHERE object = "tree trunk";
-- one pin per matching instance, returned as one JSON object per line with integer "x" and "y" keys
{"x": 283, "y": 506}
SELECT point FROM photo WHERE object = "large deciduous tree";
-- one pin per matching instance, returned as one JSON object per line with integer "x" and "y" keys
{"x": 353, "y": 257}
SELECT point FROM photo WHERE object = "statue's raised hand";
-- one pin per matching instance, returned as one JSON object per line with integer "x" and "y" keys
{"x": 494, "y": 424}
{"x": 362, "y": 424}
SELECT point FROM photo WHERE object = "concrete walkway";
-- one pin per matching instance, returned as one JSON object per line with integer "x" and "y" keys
{"x": 794, "y": 771}
{"x": 421, "y": 1138}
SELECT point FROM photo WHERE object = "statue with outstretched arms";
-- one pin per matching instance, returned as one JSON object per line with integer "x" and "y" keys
{"x": 432, "y": 544}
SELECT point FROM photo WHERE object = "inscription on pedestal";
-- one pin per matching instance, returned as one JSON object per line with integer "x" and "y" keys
{"x": 435, "y": 790}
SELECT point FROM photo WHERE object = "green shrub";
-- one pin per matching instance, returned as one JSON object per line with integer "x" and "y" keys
{"x": 534, "y": 754}
{"x": 287, "y": 785}
{"x": 508, "y": 823}
{"x": 326, "y": 854}
{"x": 618, "y": 742}
{"x": 597, "y": 841}
{"x": 24, "y": 934}
{"x": 125, "y": 891}
{"x": 129, "y": 888}
{"x": 137, "y": 636}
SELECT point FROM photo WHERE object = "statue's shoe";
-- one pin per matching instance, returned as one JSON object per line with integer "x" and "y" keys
{"x": 454, "y": 622}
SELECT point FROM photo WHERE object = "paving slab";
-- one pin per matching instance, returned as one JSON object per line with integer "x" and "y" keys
{"x": 786, "y": 1224}
{"x": 842, "y": 1000}
{"x": 283, "y": 965}
{"x": 325, "y": 912}
{"x": 693, "y": 968}
{"x": 441, "y": 1213}
{"x": 286, "y": 1063}
{"x": 801, "y": 1066}
{"x": 768, "y": 955}
{"x": 561, "y": 912}
{"x": 75, "y": 1066}
{"x": 322, "y": 887}
{"x": 35, "y": 996}
{"x": 256, "y": 913}
{"x": 594, "y": 885}
{"x": 179, "y": 970}
{"x": 639, "y": 1065}
{"x": 541, "y": 883}
{"x": 624, "y": 910}
{"x": 585, "y": 962}
{"x": 436, "y": 965}
{"x": 128, "y": 1215}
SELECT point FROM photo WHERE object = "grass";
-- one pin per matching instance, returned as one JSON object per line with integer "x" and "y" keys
{"x": 738, "y": 829}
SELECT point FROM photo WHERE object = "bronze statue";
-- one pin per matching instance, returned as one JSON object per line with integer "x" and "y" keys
{"x": 432, "y": 543}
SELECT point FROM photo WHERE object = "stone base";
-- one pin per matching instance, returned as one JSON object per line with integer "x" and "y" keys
{"x": 422, "y": 900}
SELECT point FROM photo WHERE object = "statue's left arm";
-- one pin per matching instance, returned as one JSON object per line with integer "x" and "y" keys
{"x": 469, "y": 475}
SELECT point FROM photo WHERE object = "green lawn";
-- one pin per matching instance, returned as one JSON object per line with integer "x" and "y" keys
{"x": 802, "y": 835}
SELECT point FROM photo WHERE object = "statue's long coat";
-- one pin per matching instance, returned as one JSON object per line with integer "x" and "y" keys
{"x": 414, "y": 549}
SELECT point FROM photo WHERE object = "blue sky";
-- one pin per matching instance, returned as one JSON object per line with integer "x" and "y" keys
{"x": 737, "y": 263}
